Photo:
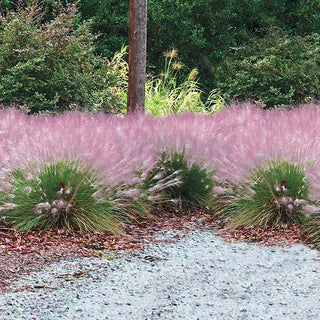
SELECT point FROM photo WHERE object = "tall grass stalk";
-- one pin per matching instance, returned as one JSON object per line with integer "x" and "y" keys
{"x": 164, "y": 96}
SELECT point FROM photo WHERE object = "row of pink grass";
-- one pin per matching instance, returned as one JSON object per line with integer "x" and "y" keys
{"x": 231, "y": 142}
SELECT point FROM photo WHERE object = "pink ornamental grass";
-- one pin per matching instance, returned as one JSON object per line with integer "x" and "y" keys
{"x": 231, "y": 142}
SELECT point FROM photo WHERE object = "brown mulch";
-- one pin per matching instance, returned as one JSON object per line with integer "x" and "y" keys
{"x": 24, "y": 252}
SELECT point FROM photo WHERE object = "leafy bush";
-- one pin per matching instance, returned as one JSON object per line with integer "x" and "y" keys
{"x": 276, "y": 194}
{"x": 62, "y": 195}
{"x": 189, "y": 184}
{"x": 52, "y": 66}
{"x": 277, "y": 70}
{"x": 203, "y": 30}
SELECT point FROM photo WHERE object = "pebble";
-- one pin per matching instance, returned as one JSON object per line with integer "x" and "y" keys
{"x": 197, "y": 277}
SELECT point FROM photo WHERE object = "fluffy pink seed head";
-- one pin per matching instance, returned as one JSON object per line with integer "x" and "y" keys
{"x": 8, "y": 206}
{"x": 231, "y": 142}
{"x": 291, "y": 208}
{"x": 285, "y": 201}
{"x": 54, "y": 212}
{"x": 60, "y": 204}
{"x": 67, "y": 191}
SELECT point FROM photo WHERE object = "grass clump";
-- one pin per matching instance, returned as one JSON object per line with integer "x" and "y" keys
{"x": 188, "y": 184}
{"x": 166, "y": 94}
{"x": 64, "y": 194}
{"x": 276, "y": 194}
{"x": 311, "y": 231}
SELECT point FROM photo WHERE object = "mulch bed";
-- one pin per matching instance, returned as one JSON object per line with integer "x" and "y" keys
{"x": 24, "y": 252}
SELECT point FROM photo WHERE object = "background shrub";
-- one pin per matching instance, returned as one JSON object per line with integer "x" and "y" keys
{"x": 277, "y": 70}
{"x": 276, "y": 194}
{"x": 204, "y": 31}
{"x": 62, "y": 195}
{"x": 52, "y": 67}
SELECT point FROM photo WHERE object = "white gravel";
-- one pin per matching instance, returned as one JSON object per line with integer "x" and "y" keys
{"x": 197, "y": 277}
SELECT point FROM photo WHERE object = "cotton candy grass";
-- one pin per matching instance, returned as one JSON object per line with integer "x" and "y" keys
{"x": 229, "y": 144}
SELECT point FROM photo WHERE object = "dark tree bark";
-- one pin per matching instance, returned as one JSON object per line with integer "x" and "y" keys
{"x": 137, "y": 55}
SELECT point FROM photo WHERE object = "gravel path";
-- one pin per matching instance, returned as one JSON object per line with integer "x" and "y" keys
{"x": 197, "y": 277}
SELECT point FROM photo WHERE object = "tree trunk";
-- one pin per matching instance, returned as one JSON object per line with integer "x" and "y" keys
{"x": 137, "y": 55}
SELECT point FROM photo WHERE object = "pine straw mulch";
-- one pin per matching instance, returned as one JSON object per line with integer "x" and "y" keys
{"x": 24, "y": 252}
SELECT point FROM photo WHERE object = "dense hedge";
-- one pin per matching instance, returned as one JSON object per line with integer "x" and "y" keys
{"x": 51, "y": 66}
{"x": 202, "y": 30}
{"x": 278, "y": 70}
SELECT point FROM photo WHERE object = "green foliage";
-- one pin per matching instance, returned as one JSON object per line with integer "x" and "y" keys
{"x": 188, "y": 183}
{"x": 277, "y": 70}
{"x": 203, "y": 30}
{"x": 51, "y": 66}
{"x": 275, "y": 195}
{"x": 110, "y": 19}
{"x": 165, "y": 96}
{"x": 63, "y": 195}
